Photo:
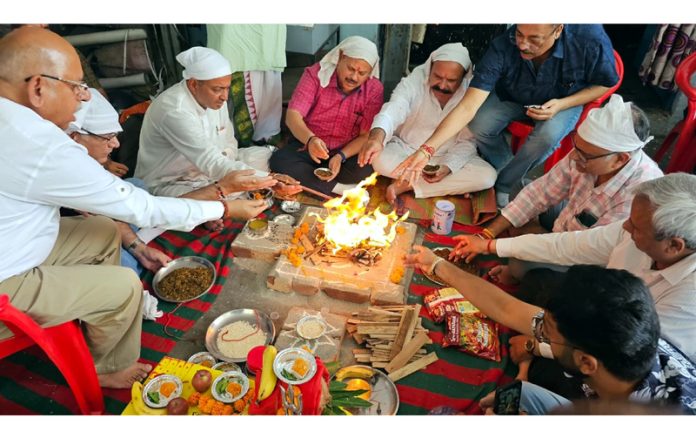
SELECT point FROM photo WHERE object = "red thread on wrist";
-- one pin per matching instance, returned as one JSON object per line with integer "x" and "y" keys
{"x": 218, "y": 189}
{"x": 428, "y": 149}
{"x": 488, "y": 246}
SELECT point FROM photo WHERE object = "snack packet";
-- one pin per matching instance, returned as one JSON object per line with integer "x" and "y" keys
{"x": 474, "y": 334}
{"x": 442, "y": 301}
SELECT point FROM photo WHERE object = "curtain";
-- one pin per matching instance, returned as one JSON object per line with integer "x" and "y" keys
{"x": 670, "y": 44}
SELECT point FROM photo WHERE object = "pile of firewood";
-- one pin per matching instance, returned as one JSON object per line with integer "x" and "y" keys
{"x": 393, "y": 338}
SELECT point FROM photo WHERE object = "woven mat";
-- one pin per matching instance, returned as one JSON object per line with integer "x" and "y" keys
{"x": 470, "y": 209}
{"x": 30, "y": 384}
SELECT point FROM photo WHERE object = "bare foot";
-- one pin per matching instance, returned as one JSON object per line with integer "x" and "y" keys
{"x": 214, "y": 225}
{"x": 501, "y": 274}
{"x": 125, "y": 378}
{"x": 395, "y": 189}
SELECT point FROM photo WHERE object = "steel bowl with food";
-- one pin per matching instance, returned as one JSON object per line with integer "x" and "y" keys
{"x": 431, "y": 170}
{"x": 294, "y": 366}
{"x": 161, "y": 390}
{"x": 266, "y": 194}
{"x": 323, "y": 173}
{"x": 184, "y": 279}
{"x": 233, "y": 334}
{"x": 230, "y": 386}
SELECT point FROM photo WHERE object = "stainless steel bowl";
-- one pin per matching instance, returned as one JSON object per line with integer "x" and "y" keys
{"x": 248, "y": 315}
{"x": 282, "y": 366}
{"x": 182, "y": 262}
{"x": 229, "y": 376}
{"x": 154, "y": 385}
{"x": 266, "y": 194}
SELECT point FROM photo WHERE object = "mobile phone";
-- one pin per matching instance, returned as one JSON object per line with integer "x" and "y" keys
{"x": 507, "y": 399}
{"x": 586, "y": 218}
{"x": 533, "y": 106}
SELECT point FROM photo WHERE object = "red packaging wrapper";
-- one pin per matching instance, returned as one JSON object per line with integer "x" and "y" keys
{"x": 440, "y": 302}
{"x": 474, "y": 334}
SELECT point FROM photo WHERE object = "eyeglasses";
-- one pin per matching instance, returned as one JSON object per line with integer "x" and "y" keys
{"x": 538, "y": 331}
{"x": 106, "y": 138}
{"x": 78, "y": 87}
{"x": 534, "y": 42}
{"x": 583, "y": 156}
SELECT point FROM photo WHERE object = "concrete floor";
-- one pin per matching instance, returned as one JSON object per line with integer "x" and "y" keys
{"x": 246, "y": 288}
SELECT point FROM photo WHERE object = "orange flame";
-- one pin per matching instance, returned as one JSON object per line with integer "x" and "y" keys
{"x": 348, "y": 224}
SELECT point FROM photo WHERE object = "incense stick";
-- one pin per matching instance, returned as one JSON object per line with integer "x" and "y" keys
{"x": 314, "y": 192}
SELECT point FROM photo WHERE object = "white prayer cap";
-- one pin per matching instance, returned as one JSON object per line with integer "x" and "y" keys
{"x": 611, "y": 127}
{"x": 96, "y": 116}
{"x": 455, "y": 52}
{"x": 353, "y": 47}
{"x": 203, "y": 64}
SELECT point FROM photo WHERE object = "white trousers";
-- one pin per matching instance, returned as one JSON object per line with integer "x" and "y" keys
{"x": 476, "y": 174}
{"x": 267, "y": 91}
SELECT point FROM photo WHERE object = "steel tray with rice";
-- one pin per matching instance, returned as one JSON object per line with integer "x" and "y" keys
{"x": 233, "y": 334}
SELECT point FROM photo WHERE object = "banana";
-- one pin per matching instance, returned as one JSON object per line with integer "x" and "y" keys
{"x": 139, "y": 404}
{"x": 268, "y": 377}
{"x": 354, "y": 372}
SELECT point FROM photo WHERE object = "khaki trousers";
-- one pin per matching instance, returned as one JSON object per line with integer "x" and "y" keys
{"x": 81, "y": 279}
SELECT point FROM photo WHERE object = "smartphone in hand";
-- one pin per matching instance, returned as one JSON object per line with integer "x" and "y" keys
{"x": 534, "y": 106}
{"x": 507, "y": 399}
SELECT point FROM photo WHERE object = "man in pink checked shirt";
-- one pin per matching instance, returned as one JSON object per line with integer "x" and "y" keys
{"x": 330, "y": 114}
{"x": 590, "y": 186}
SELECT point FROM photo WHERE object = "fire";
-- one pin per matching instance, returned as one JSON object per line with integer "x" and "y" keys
{"x": 349, "y": 226}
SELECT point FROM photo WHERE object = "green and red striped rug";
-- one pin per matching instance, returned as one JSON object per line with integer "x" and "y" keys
{"x": 30, "y": 384}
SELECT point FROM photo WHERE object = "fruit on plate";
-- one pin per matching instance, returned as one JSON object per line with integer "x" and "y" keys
{"x": 268, "y": 377}
{"x": 177, "y": 406}
{"x": 139, "y": 404}
{"x": 354, "y": 371}
{"x": 357, "y": 384}
{"x": 202, "y": 380}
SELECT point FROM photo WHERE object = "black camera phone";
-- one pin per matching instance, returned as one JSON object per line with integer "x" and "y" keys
{"x": 507, "y": 399}
{"x": 586, "y": 218}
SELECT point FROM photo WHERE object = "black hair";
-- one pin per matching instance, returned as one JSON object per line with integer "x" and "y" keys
{"x": 609, "y": 314}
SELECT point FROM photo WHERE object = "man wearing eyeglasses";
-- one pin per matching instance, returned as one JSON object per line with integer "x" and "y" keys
{"x": 539, "y": 72}
{"x": 657, "y": 243}
{"x": 599, "y": 324}
{"x": 62, "y": 269}
{"x": 591, "y": 185}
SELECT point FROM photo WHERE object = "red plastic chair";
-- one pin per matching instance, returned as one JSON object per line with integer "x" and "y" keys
{"x": 684, "y": 156}
{"x": 64, "y": 345}
{"x": 520, "y": 130}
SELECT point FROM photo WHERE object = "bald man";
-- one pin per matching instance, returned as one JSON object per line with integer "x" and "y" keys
{"x": 61, "y": 269}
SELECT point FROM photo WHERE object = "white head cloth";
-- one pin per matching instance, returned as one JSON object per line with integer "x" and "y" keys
{"x": 203, "y": 64}
{"x": 450, "y": 52}
{"x": 96, "y": 116}
{"x": 354, "y": 47}
{"x": 611, "y": 127}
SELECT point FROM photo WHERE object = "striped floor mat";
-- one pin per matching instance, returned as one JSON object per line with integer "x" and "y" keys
{"x": 30, "y": 384}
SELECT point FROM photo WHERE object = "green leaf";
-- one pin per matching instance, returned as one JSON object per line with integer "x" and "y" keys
{"x": 153, "y": 397}
{"x": 335, "y": 385}
{"x": 347, "y": 394}
{"x": 288, "y": 375}
{"x": 352, "y": 402}
{"x": 221, "y": 386}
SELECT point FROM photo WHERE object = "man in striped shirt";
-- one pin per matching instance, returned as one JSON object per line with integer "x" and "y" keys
{"x": 590, "y": 186}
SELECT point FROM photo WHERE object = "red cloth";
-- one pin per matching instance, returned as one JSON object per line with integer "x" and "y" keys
{"x": 331, "y": 115}
{"x": 311, "y": 390}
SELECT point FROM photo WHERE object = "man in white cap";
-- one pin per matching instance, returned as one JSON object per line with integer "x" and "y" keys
{"x": 187, "y": 140}
{"x": 657, "y": 243}
{"x": 417, "y": 106}
{"x": 592, "y": 183}
{"x": 61, "y": 269}
{"x": 330, "y": 114}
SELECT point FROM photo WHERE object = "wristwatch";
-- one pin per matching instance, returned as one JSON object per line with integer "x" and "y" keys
{"x": 529, "y": 346}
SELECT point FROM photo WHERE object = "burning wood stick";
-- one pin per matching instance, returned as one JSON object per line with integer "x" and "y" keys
{"x": 316, "y": 193}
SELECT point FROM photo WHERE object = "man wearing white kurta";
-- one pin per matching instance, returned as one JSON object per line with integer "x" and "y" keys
{"x": 187, "y": 140}
{"x": 657, "y": 243}
{"x": 417, "y": 105}
{"x": 61, "y": 269}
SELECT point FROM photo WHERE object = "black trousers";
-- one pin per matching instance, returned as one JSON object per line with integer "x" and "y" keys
{"x": 299, "y": 165}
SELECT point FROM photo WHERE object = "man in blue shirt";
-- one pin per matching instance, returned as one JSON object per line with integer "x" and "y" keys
{"x": 556, "y": 68}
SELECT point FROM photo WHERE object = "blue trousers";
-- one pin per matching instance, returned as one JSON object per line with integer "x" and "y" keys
{"x": 489, "y": 125}
{"x": 536, "y": 400}
{"x": 127, "y": 259}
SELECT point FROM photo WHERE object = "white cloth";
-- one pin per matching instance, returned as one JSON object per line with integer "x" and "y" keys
{"x": 611, "y": 127}
{"x": 267, "y": 102}
{"x": 184, "y": 147}
{"x": 353, "y": 47}
{"x": 203, "y": 64}
{"x": 673, "y": 288}
{"x": 411, "y": 116}
{"x": 96, "y": 116}
{"x": 455, "y": 52}
{"x": 149, "y": 309}
{"x": 43, "y": 169}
